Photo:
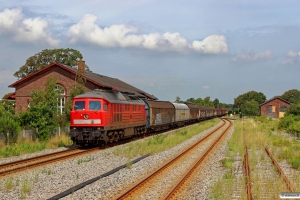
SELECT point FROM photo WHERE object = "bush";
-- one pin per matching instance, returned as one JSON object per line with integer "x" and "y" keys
{"x": 294, "y": 128}
{"x": 262, "y": 119}
{"x": 286, "y": 121}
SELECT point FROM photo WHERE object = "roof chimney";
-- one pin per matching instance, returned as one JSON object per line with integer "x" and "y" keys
{"x": 81, "y": 66}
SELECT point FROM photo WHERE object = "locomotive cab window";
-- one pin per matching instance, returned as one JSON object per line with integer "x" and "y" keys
{"x": 79, "y": 105}
{"x": 105, "y": 107}
{"x": 94, "y": 105}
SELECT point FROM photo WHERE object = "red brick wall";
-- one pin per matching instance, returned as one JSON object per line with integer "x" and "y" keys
{"x": 275, "y": 102}
{"x": 64, "y": 78}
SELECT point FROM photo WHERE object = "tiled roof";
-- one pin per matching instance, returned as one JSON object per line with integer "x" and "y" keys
{"x": 102, "y": 81}
{"x": 273, "y": 99}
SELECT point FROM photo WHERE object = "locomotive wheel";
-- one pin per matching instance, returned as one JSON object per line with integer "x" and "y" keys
{"x": 116, "y": 136}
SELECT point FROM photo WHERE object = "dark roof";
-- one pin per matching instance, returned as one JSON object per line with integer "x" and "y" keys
{"x": 10, "y": 96}
{"x": 100, "y": 80}
{"x": 273, "y": 99}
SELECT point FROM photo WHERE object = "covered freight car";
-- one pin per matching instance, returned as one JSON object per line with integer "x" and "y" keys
{"x": 194, "y": 112}
{"x": 182, "y": 114}
{"x": 160, "y": 115}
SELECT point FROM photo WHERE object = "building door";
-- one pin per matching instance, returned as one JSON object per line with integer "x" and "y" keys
{"x": 271, "y": 111}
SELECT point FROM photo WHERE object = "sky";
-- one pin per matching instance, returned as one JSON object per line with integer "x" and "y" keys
{"x": 186, "y": 49}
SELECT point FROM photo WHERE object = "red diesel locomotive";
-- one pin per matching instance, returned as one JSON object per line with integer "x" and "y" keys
{"x": 106, "y": 116}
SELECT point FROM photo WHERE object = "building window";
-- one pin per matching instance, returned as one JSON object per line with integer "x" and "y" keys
{"x": 283, "y": 109}
{"x": 62, "y": 99}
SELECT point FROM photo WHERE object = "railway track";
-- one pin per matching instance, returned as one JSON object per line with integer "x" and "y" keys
{"x": 170, "y": 178}
{"x": 29, "y": 163}
{"x": 268, "y": 179}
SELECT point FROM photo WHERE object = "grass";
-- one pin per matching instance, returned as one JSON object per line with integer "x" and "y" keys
{"x": 28, "y": 146}
{"x": 26, "y": 188}
{"x": 128, "y": 164}
{"x": 84, "y": 160}
{"x": 162, "y": 142}
{"x": 8, "y": 184}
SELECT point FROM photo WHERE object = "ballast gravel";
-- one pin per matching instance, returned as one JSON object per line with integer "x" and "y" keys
{"x": 46, "y": 182}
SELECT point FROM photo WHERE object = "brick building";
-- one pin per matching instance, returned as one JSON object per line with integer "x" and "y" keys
{"x": 66, "y": 79}
{"x": 275, "y": 107}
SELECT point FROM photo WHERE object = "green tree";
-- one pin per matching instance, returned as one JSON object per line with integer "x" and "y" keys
{"x": 293, "y": 96}
{"x": 248, "y": 96}
{"x": 199, "y": 102}
{"x": 9, "y": 124}
{"x": 40, "y": 60}
{"x": 42, "y": 111}
{"x": 250, "y": 108}
{"x": 216, "y": 103}
{"x": 208, "y": 102}
{"x": 191, "y": 100}
{"x": 294, "y": 109}
{"x": 177, "y": 100}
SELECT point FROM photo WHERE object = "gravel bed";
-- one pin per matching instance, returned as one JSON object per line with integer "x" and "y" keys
{"x": 210, "y": 171}
{"x": 43, "y": 183}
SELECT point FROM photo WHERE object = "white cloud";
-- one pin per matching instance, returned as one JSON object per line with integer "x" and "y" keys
{"x": 127, "y": 36}
{"x": 25, "y": 30}
{"x": 292, "y": 58}
{"x": 206, "y": 87}
{"x": 214, "y": 44}
{"x": 250, "y": 56}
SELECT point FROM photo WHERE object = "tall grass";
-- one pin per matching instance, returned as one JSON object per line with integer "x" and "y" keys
{"x": 161, "y": 142}
{"x": 27, "y": 146}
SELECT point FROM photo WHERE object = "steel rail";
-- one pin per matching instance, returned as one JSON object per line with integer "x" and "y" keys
{"x": 289, "y": 185}
{"x": 156, "y": 172}
{"x": 246, "y": 165}
{"x": 29, "y": 163}
{"x": 177, "y": 187}
{"x": 247, "y": 170}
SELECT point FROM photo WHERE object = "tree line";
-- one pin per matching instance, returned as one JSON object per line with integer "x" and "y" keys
{"x": 206, "y": 102}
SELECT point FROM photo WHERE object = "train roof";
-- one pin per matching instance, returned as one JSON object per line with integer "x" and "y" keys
{"x": 112, "y": 96}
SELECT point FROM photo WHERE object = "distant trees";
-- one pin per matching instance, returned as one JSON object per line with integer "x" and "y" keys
{"x": 293, "y": 96}
{"x": 203, "y": 102}
{"x": 216, "y": 103}
{"x": 40, "y": 60}
{"x": 248, "y": 96}
{"x": 177, "y": 100}
{"x": 250, "y": 108}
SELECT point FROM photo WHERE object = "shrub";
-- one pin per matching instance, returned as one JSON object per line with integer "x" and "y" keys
{"x": 286, "y": 121}
{"x": 294, "y": 128}
{"x": 262, "y": 119}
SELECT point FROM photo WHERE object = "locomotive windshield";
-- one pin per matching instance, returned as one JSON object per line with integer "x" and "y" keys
{"x": 94, "y": 105}
{"x": 79, "y": 105}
